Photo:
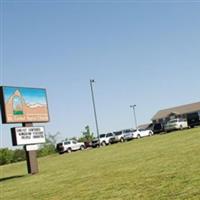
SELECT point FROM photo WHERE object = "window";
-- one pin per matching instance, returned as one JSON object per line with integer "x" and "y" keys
{"x": 102, "y": 135}
{"x": 109, "y": 135}
{"x": 118, "y": 133}
{"x": 66, "y": 143}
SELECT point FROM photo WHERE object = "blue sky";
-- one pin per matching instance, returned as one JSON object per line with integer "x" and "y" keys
{"x": 145, "y": 53}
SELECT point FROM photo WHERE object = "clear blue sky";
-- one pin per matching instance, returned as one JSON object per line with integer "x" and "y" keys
{"x": 146, "y": 54}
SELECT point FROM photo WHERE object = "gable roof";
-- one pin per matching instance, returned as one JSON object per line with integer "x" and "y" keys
{"x": 188, "y": 108}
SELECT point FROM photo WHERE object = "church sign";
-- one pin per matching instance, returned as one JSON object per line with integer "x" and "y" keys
{"x": 22, "y": 105}
{"x": 28, "y": 135}
{"x": 27, "y": 106}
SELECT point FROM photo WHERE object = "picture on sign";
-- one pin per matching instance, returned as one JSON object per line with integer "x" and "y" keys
{"x": 21, "y": 105}
{"x": 28, "y": 135}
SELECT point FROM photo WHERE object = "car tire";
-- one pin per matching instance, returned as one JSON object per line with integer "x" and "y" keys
{"x": 138, "y": 136}
{"x": 69, "y": 150}
{"x": 103, "y": 143}
{"x": 122, "y": 139}
{"x": 82, "y": 148}
{"x": 181, "y": 127}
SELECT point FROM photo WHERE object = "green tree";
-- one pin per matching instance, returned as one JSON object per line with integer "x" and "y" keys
{"x": 87, "y": 135}
{"x": 49, "y": 147}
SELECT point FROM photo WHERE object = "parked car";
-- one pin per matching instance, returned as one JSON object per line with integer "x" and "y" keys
{"x": 175, "y": 124}
{"x": 193, "y": 119}
{"x": 138, "y": 133}
{"x": 121, "y": 136}
{"x": 69, "y": 146}
{"x": 156, "y": 127}
{"x": 105, "y": 139}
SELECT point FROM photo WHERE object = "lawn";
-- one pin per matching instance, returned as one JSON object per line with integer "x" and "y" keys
{"x": 160, "y": 167}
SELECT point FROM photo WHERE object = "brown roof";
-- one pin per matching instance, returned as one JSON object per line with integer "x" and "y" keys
{"x": 143, "y": 126}
{"x": 189, "y": 108}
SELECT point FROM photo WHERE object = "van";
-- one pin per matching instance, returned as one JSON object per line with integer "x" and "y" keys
{"x": 176, "y": 124}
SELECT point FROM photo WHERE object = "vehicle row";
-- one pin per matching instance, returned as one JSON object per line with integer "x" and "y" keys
{"x": 103, "y": 140}
{"x": 123, "y": 135}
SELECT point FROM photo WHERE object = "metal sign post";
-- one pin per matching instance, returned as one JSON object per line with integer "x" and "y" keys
{"x": 31, "y": 156}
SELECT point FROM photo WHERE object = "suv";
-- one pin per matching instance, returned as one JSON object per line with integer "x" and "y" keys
{"x": 121, "y": 136}
{"x": 175, "y": 124}
{"x": 105, "y": 139}
{"x": 138, "y": 133}
{"x": 69, "y": 146}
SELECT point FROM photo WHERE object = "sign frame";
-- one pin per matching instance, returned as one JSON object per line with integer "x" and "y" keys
{"x": 4, "y": 110}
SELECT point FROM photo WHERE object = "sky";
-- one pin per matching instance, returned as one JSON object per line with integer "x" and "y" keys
{"x": 145, "y": 53}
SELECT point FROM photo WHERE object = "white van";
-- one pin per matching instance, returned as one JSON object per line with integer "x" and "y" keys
{"x": 176, "y": 124}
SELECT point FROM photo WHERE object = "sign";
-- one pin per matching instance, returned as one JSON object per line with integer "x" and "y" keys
{"x": 33, "y": 147}
{"x": 23, "y": 105}
{"x": 28, "y": 135}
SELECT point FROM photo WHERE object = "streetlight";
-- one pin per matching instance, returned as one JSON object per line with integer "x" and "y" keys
{"x": 94, "y": 107}
{"x": 134, "y": 114}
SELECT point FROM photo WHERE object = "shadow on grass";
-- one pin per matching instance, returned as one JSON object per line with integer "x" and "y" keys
{"x": 11, "y": 177}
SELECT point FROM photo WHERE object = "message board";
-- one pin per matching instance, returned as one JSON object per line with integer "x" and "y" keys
{"x": 27, "y": 135}
{"x": 23, "y": 105}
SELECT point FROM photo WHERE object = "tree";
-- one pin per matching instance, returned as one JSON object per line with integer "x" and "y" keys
{"x": 87, "y": 135}
{"x": 49, "y": 147}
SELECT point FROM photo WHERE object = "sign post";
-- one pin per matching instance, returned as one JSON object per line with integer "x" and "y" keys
{"x": 26, "y": 106}
{"x": 31, "y": 156}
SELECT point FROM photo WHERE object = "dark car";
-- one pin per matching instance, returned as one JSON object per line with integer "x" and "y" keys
{"x": 95, "y": 143}
{"x": 156, "y": 128}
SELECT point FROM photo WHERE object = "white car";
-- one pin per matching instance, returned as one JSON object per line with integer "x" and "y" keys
{"x": 121, "y": 136}
{"x": 138, "y": 133}
{"x": 69, "y": 146}
{"x": 105, "y": 139}
{"x": 175, "y": 124}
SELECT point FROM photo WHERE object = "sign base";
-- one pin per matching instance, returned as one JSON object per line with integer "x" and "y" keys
{"x": 32, "y": 164}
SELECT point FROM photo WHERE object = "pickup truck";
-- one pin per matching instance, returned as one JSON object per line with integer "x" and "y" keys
{"x": 69, "y": 146}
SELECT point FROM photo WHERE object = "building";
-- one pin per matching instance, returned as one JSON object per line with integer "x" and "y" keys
{"x": 191, "y": 112}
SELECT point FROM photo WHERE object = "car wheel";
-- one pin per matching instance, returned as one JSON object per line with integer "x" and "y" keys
{"x": 103, "y": 143}
{"x": 122, "y": 140}
{"x": 150, "y": 134}
{"x": 69, "y": 150}
{"x": 181, "y": 127}
{"x": 82, "y": 148}
{"x": 138, "y": 136}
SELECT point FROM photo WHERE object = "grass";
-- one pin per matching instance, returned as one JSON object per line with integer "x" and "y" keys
{"x": 153, "y": 168}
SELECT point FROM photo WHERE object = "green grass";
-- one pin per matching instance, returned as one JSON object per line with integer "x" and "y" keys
{"x": 154, "y": 168}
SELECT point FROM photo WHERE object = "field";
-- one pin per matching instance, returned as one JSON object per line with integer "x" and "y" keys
{"x": 154, "y": 168}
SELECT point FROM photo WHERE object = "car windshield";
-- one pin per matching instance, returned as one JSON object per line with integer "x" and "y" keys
{"x": 118, "y": 133}
{"x": 173, "y": 121}
{"x": 109, "y": 134}
{"x": 102, "y": 135}
{"x": 127, "y": 131}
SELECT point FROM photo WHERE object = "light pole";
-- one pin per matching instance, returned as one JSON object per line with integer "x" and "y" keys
{"x": 94, "y": 107}
{"x": 134, "y": 114}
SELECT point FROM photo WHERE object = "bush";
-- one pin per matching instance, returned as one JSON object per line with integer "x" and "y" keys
{"x": 6, "y": 156}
